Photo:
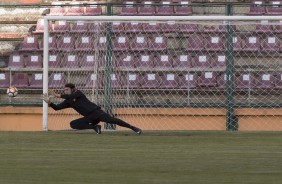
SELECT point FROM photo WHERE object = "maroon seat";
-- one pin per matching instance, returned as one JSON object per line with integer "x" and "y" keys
{"x": 139, "y": 43}
{"x": 134, "y": 27}
{"x": 117, "y": 80}
{"x": 126, "y": 60}
{"x": 188, "y": 28}
{"x": 245, "y": 81}
{"x": 66, "y": 43}
{"x": 275, "y": 8}
{"x": 145, "y": 60}
{"x": 195, "y": 43}
{"x": 215, "y": 43}
{"x": 61, "y": 26}
{"x": 251, "y": 44}
{"x": 147, "y": 8}
{"x": 278, "y": 81}
{"x": 129, "y": 8}
{"x": 183, "y": 60}
{"x": 164, "y": 60}
{"x": 257, "y": 7}
{"x": 57, "y": 80}
{"x": 84, "y": 43}
{"x": 264, "y": 27}
{"x": 158, "y": 43}
{"x": 170, "y": 81}
{"x": 54, "y": 60}
{"x": 93, "y": 10}
{"x": 151, "y": 81}
{"x": 30, "y": 43}
{"x": 221, "y": 81}
{"x": 20, "y": 80}
{"x": 165, "y": 7}
{"x": 223, "y": 28}
{"x": 265, "y": 81}
{"x": 70, "y": 60}
{"x": 237, "y": 43}
{"x": 102, "y": 43}
{"x": 203, "y": 61}
{"x": 97, "y": 27}
{"x": 34, "y": 61}
{"x": 94, "y": 81}
{"x": 152, "y": 27}
{"x": 79, "y": 27}
{"x": 183, "y": 7}
{"x": 76, "y": 9}
{"x": 132, "y": 81}
{"x": 52, "y": 43}
{"x": 219, "y": 60}
{"x": 270, "y": 44}
{"x": 16, "y": 60}
{"x": 4, "y": 80}
{"x": 207, "y": 79}
{"x": 36, "y": 81}
{"x": 40, "y": 26}
{"x": 188, "y": 81}
{"x": 120, "y": 43}
{"x": 118, "y": 27}
{"x": 88, "y": 61}
{"x": 58, "y": 8}
{"x": 170, "y": 27}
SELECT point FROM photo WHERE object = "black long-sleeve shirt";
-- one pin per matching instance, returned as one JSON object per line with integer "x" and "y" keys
{"x": 78, "y": 102}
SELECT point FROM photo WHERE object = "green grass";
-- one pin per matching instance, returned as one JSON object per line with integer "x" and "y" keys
{"x": 155, "y": 157}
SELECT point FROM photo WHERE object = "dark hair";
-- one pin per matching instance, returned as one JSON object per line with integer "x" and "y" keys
{"x": 70, "y": 85}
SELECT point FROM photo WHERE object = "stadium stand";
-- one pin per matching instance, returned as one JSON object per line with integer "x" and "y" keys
{"x": 125, "y": 60}
{"x": 52, "y": 43}
{"x": 158, "y": 43}
{"x": 165, "y": 7}
{"x": 147, "y": 8}
{"x": 145, "y": 60}
{"x": 265, "y": 81}
{"x": 202, "y": 61}
{"x": 170, "y": 81}
{"x": 183, "y": 60}
{"x": 57, "y": 80}
{"x": 219, "y": 60}
{"x": 54, "y": 60}
{"x": 16, "y": 60}
{"x": 30, "y": 43}
{"x": 275, "y": 8}
{"x": 120, "y": 43}
{"x": 152, "y": 27}
{"x": 151, "y": 81}
{"x": 34, "y": 61}
{"x": 195, "y": 42}
{"x": 76, "y": 9}
{"x": 79, "y": 27}
{"x": 270, "y": 44}
{"x": 251, "y": 44}
{"x": 245, "y": 81}
{"x": 215, "y": 43}
{"x": 66, "y": 43}
{"x": 58, "y": 8}
{"x": 88, "y": 60}
{"x": 170, "y": 27}
{"x": 164, "y": 60}
{"x": 61, "y": 26}
{"x": 20, "y": 80}
{"x": 207, "y": 79}
{"x": 84, "y": 43}
{"x": 257, "y": 7}
{"x": 129, "y": 8}
{"x": 133, "y": 27}
{"x": 264, "y": 27}
{"x": 117, "y": 81}
{"x": 139, "y": 43}
{"x": 188, "y": 81}
{"x": 70, "y": 61}
{"x": 36, "y": 81}
{"x": 183, "y": 8}
{"x": 92, "y": 81}
{"x": 93, "y": 10}
{"x": 132, "y": 81}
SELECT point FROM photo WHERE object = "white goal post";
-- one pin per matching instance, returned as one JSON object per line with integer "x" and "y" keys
{"x": 258, "y": 96}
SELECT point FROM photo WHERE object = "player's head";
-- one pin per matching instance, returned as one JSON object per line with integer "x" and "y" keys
{"x": 69, "y": 88}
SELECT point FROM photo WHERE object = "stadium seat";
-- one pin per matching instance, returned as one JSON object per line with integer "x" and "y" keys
{"x": 152, "y": 27}
{"x": 52, "y": 43}
{"x": 16, "y": 60}
{"x": 163, "y": 60}
{"x": 170, "y": 27}
{"x": 54, "y": 60}
{"x": 129, "y": 8}
{"x": 237, "y": 43}
{"x": 275, "y": 8}
{"x": 145, "y": 60}
{"x": 183, "y": 60}
{"x": 34, "y": 61}
{"x": 151, "y": 81}
{"x": 223, "y": 28}
{"x": 126, "y": 60}
{"x": 165, "y": 7}
{"x": 65, "y": 43}
{"x": 57, "y": 80}
{"x": 97, "y": 27}
{"x": 4, "y": 80}
{"x": 188, "y": 28}
{"x": 76, "y": 9}
{"x": 195, "y": 43}
{"x": 88, "y": 60}
{"x": 84, "y": 43}
{"x": 139, "y": 43}
{"x": 40, "y": 26}
{"x": 134, "y": 27}
{"x": 132, "y": 81}
{"x": 265, "y": 81}
{"x": 158, "y": 43}
{"x": 117, "y": 27}
{"x": 61, "y": 26}
{"x": 79, "y": 27}
{"x": 278, "y": 81}
{"x": 116, "y": 80}
{"x": 188, "y": 81}
{"x": 170, "y": 81}
{"x": 251, "y": 44}
{"x": 58, "y": 8}
{"x": 210, "y": 29}
{"x": 257, "y": 7}
{"x": 93, "y": 10}
{"x": 20, "y": 80}
{"x": 120, "y": 43}
{"x": 202, "y": 61}
{"x": 219, "y": 60}
{"x": 147, "y": 8}
{"x": 207, "y": 79}
{"x": 245, "y": 81}
{"x": 36, "y": 81}
{"x": 102, "y": 43}
{"x": 183, "y": 7}
{"x": 93, "y": 82}
{"x": 30, "y": 43}
{"x": 264, "y": 27}
{"x": 221, "y": 81}
{"x": 270, "y": 44}
{"x": 215, "y": 43}
{"x": 70, "y": 60}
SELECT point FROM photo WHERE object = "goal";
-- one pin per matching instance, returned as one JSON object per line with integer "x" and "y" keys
{"x": 168, "y": 72}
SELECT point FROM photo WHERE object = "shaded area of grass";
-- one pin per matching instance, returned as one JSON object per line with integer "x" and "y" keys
{"x": 154, "y": 157}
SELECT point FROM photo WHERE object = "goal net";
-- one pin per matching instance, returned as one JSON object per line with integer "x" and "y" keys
{"x": 168, "y": 73}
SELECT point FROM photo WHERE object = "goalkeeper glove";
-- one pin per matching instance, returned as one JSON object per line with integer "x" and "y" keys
{"x": 46, "y": 98}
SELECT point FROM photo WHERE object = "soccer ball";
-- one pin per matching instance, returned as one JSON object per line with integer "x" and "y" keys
{"x": 12, "y": 91}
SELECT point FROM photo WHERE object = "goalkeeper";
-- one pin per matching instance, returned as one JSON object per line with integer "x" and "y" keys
{"x": 92, "y": 113}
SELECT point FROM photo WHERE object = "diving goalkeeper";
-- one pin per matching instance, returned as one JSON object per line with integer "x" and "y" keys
{"x": 92, "y": 113}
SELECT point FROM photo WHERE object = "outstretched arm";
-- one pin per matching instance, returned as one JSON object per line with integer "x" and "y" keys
{"x": 59, "y": 106}
{"x": 74, "y": 95}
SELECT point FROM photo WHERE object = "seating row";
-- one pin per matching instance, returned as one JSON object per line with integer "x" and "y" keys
{"x": 151, "y": 80}
{"x": 261, "y": 7}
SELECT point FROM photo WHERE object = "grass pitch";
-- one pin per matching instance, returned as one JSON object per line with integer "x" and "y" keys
{"x": 155, "y": 157}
